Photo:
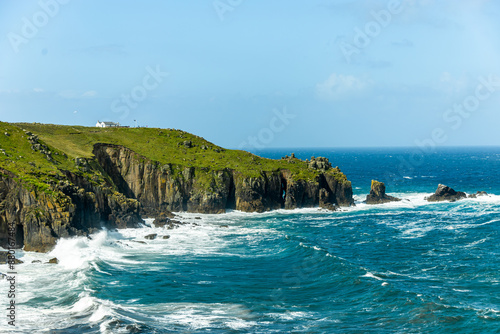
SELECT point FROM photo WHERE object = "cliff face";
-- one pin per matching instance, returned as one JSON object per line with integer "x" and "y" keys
{"x": 41, "y": 218}
{"x": 174, "y": 188}
{"x": 64, "y": 181}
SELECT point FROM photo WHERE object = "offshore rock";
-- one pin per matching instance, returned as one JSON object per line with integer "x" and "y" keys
{"x": 478, "y": 194}
{"x": 377, "y": 194}
{"x": 445, "y": 193}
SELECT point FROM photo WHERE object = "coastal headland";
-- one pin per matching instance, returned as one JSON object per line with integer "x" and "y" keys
{"x": 59, "y": 181}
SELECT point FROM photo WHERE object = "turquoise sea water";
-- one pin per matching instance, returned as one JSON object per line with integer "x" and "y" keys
{"x": 406, "y": 267}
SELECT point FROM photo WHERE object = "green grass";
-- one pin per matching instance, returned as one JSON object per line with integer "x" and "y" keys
{"x": 164, "y": 146}
{"x": 32, "y": 167}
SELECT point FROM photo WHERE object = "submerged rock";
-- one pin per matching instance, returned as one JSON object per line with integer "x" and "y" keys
{"x": 150, "y": 236}
{"x": 54, "y": 260}
{"x": 377, "y": 194}
{"x": 445, "y": 193}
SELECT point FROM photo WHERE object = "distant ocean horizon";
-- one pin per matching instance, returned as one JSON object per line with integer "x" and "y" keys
{"x": 401, "y": 267}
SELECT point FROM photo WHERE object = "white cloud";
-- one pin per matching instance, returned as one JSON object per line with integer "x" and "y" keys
{"x": 38, "y": 90}
{"x": 72, "y": 94}
{"x": 339, "y": 86}
{"x": 90, "y": 93}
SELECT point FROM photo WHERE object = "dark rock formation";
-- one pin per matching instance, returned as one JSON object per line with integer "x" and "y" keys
{"x": 150, "y": 236}
{"x": 77, "y": 208}
{"x": 6, "y": 258}
{"x": 377, "y": 194}
{"x": 166, "y": 237}
{"x": 445, "y": 193}
{"x": 477, "y": 194}
{"x": 53, "y": 261}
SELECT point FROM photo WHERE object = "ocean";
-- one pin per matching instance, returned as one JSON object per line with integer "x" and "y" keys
{"x": 402, "y": 267}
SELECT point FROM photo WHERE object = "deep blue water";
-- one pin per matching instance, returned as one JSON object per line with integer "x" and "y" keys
{"x": 410, "y": 169}
{"x": 406, "y": 267}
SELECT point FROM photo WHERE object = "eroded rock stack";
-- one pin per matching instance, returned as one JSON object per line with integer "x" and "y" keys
{"x": 377, "y": 194}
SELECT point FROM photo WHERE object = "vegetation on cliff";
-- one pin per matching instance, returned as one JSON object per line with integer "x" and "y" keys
{"x": 59, "y": 180}
{"x": 163, "y": 146}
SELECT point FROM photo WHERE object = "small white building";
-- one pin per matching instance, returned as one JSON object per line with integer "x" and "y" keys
{"x": 107, "y": 124}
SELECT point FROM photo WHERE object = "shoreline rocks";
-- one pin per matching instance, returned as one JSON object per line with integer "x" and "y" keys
{"x": 377, "y": 194}
{"x": 478, "y": 194}
{"x": 5, "y": 257}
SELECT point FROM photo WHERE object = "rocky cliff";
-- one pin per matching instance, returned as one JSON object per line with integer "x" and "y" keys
{"x": 40, "y": 218}
{"x": 58, "y": 181}
{"x": 175, "y": 188}
{"x": 377, "y": 194}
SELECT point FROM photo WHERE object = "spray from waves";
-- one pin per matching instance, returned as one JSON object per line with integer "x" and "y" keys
{"x": 62, "y": 297}
{"x": 307, "y": 242}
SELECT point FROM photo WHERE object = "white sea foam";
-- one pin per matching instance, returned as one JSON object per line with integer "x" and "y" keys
{"x": 80, "y": 258}
{"x": 408, "y": 200}
{"x": 202, "y": 315}
{"x": 370, "y": 275}
{"x": 292, "y": 315}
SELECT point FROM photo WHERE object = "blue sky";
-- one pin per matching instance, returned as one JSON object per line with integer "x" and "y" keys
{"x": 255, "y": 74}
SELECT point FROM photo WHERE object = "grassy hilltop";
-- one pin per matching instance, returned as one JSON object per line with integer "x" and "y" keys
{"x": 165, "y": 146}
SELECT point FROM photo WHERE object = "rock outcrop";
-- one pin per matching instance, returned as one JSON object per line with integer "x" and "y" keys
{"x": 40, "y": 218}
{"x": 5, "y": 257}
{"x": 478, "y": 194}
{"x": 445, "y": 193}
{"x": 377, "y": 194}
